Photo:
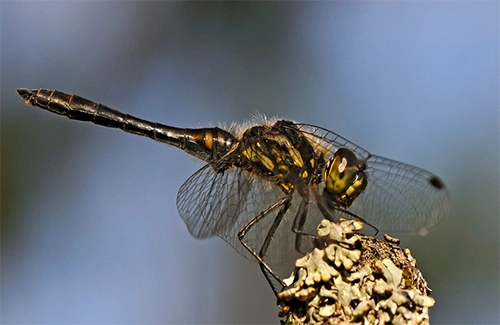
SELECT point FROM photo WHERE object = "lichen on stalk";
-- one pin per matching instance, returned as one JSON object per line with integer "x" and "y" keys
{"x": 350, "y": 278}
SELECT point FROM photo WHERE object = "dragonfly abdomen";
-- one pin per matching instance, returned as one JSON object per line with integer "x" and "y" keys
{"x": 207, "y": 144}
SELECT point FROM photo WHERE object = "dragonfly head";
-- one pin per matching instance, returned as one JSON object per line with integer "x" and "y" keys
{"x": 344, "y": 177}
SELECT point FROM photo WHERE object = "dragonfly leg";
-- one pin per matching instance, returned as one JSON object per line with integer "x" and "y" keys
{"x": 326, "y": 212}
{"x": 283, "y": 205}
{"x": 355, "y": 216}
{"x": 298, "y": 224}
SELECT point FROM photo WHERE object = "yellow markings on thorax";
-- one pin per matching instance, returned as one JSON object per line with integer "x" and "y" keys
{"x": 276, "y": 153}
{"x": 287, "y": 187}
{"x": 255, "y": 154}
{"x": 283, "y": 140}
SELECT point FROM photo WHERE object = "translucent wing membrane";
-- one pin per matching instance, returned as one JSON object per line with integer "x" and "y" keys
{"x": 399, "y": 197}
{"x": 223, "y": 203}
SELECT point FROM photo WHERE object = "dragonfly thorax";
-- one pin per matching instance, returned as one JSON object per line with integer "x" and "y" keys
{"x": 279, "y": 153}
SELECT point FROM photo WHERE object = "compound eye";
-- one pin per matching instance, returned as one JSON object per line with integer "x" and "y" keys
{"x": 340, "y": 171}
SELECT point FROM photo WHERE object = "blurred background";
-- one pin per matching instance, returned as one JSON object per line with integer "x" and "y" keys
{"x": 89, "y": 228}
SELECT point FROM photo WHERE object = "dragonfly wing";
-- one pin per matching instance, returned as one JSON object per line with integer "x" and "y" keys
{"x": 212, "y": 203}
{"x": 194, "y": 200}
{"x": 401, "y": 197}
{"x": 398, "y": 197}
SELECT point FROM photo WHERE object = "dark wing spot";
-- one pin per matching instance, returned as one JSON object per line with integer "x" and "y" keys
{"x": 436, "y": 182}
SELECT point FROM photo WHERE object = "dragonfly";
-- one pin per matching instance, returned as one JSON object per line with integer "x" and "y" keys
{"x": 265, "y": 187}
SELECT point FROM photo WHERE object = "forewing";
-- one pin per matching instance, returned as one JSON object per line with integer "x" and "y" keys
{"x": 398, "y": 197}
{"x": 401, "y": 197}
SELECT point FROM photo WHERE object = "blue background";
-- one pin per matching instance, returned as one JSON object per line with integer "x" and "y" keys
{"x": 89, "y": 228}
